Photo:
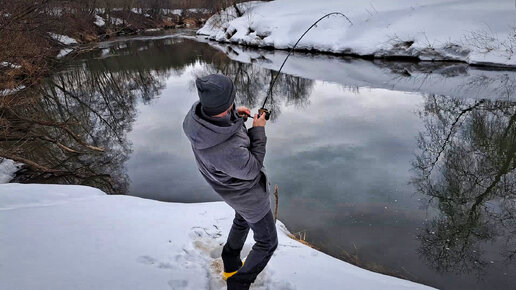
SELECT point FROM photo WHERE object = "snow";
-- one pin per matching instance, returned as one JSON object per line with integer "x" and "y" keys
{"x": 116, "y": 21}
{"x": 77, "y": 237}
{"x": 180, "y": 11}
{"x": 105, "y": 52}
{"x": 99, "y": 21}
{"x": 56, "y": 11}
{"x": 64, "y": 52}
{"x": 7, "y": 169}
{"x": 199, "y": 10}
{"x": 7, "y": 92}
{"x": 177, "y": 11}
{"x": 66, "y": 40}
{"x": 473, "y": 31}
{"x": 8, "y": 64}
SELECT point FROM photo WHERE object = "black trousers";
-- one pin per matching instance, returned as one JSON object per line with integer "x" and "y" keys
{"x": 266, "y": 241}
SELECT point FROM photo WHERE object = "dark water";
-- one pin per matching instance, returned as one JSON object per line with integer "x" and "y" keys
{"x": 376, "y": 164}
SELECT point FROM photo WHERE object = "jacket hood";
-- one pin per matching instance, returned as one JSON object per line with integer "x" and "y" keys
{"x": 204, "y": 134}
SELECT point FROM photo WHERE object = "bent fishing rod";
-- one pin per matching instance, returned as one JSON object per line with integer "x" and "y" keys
{"x": 265, "y": 111}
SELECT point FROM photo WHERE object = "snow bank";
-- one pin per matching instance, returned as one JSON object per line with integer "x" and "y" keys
{"x": 10, "y": 65}
{"x": 199, "y": 10}
{"x": 7, "y": 169}
{"x": 66, "y": 40}
{"x": 116, "y": 21}
{"x": 7, "y": 92}
{"x": 176, "y": 11}
{"x": 63, "y": 52}
{"x": 473, "y": 31}
{"x": 456, "y": 80}
{"x": 76, "y": 237}
{"x": 99, "y": 21}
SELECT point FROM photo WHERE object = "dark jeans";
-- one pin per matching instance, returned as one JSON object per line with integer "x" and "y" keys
{"x": 266, "y": 240}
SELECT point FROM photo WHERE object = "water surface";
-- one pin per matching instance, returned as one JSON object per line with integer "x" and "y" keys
{"x": 376, "y": 164}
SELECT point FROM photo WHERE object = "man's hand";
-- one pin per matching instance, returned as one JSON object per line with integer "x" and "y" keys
{"x": 242, "y": 111}
{"x": 259, "y": 122}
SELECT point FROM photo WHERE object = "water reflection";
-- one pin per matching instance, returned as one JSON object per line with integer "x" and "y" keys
{"x": 72, "y": 130}
{"x": 75, "y": 129}
{"x": 466, "y": 169}
{"x": 252, "y": 83}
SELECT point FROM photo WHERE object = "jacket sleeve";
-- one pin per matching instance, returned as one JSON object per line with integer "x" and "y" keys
{"x": 246, "y": 163}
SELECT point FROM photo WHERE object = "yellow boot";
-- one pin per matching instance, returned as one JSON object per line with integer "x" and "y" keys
{"x": 226, "y": 275}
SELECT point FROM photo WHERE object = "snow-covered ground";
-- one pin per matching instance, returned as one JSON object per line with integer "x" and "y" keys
{"x": 75, "y": 237}
{"x": 66, "y": 40}
{"x": 64, "y": 52}
{"x": 116, "y": 21}
{"x": 473, "y": 31}
{"x": 10, "y": 65}
{"x": 99, "y": 21}
{"x": 7, "y": 169}
{"x": 7, "y": 92}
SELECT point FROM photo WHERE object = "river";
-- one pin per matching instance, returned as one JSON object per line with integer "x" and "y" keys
{"x": 399, "y": 167}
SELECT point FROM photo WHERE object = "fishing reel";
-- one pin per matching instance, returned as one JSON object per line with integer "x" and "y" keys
{"x": 264, "y": 111}
{"x": 260, "y": 112}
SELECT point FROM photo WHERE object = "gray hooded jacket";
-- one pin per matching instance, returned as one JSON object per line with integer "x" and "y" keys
{"x": 230, "y": 158}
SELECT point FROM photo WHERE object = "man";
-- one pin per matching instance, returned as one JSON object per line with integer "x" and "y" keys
{"x": 230, "y": 158}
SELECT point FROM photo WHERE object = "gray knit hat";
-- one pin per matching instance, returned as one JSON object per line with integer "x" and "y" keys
{"x": 216, "y": 93}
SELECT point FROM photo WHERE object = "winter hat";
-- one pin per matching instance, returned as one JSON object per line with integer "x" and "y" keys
{"x": 216, "y": 93}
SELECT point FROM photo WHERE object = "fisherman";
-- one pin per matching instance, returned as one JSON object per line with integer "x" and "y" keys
{"x": 230, "y": 158}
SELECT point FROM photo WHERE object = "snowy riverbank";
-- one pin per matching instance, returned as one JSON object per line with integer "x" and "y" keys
{"x": 457, "y": 80}
{"x": 476, "y": 32}
{"x": 76, "y": 237}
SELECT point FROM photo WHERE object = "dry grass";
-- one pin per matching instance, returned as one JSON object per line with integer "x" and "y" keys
{"x": 353, "y": 258}
{"x": 301, "y": 237}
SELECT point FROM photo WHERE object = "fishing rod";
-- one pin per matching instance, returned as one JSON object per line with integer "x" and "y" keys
{"x": 265, "y": 111}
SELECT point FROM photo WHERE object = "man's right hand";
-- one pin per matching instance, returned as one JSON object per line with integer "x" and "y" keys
{"x": 259, "y": 121}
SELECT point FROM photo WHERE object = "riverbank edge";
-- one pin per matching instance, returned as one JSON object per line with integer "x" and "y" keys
{"x": 24, "y": 74}
{"x": 229, "y": 23}
{"x": 371, "y": 57}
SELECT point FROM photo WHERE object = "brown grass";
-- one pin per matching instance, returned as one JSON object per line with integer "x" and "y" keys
{"x": 301, "y": 237}
{"x": 355, "y": 260}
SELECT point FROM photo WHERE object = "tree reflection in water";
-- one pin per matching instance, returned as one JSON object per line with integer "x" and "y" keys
{"x": 466, "y": 169}
{"x": 253, "y": 81}
{"x": 72, "y": 128}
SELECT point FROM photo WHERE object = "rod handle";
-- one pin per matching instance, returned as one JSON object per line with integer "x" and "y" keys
{"x": 261, "y": 111}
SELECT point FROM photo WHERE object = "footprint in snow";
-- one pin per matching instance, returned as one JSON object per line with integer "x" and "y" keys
{"x": 177, "y": 284}
{"x": 147, "y": 260}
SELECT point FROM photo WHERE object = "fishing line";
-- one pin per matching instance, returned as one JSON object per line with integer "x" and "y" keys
{"x": 269, "y": 93}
